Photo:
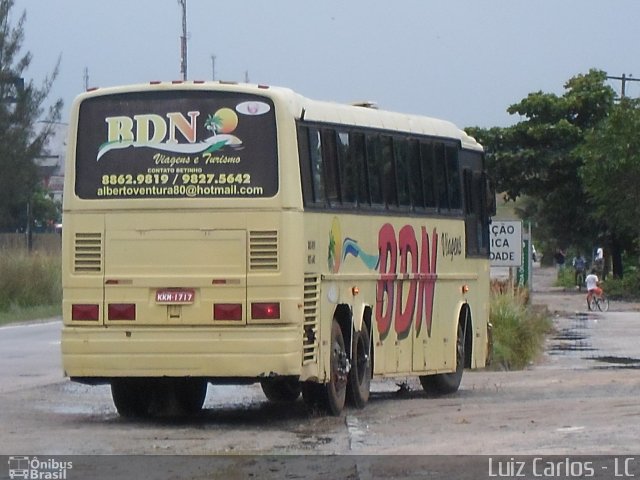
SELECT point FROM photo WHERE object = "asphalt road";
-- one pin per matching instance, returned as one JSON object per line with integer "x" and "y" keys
{"x": 29, "y": 356}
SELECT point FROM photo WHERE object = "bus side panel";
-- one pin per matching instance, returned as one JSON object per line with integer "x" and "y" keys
{"x": 411, "y": 272}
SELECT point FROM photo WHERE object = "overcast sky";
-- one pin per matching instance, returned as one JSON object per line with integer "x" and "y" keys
{"x": 462, "y": 60}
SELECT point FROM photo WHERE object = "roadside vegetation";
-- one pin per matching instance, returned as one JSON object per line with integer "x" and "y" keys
{"x": 519, "y": 329}
{"x": 30, "y": 285}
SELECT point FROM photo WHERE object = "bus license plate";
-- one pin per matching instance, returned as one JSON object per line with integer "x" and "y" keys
{"x": 175, "y": 296}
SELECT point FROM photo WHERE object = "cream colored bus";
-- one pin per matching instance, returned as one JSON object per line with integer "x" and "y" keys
{"x": 231, "y": 233}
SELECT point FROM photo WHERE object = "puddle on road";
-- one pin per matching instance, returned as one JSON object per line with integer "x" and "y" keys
{"x": 576, "y": 338}
{"x": 618, "y": 362}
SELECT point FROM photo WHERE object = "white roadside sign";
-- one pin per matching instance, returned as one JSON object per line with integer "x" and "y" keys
{"x": 506, "y": 243}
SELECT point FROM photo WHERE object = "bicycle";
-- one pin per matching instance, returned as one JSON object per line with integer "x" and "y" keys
{"x": 597, "y": 301}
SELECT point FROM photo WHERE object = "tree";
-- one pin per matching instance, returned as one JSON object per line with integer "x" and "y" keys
{"x": 21, "y": 106}
{"x": 611, "y": 175}
{"x": 538, "y": 157}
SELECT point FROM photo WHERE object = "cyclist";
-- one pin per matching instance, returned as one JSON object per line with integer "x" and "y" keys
{"x": 592, "y": 286}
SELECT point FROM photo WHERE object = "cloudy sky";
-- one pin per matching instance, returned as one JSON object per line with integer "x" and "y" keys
{"x": 462, "y": 60}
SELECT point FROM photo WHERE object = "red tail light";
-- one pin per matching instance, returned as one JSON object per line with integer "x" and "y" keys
{"x": 122, "y": 311}
{"x": 85, "y": 312}
{"x": 265, "y": 311}
{"x": 227, "y": 311}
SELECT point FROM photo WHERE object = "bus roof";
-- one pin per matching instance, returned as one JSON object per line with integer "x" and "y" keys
{"x": 318, "y": 111}
{"x": 365, "y": 116}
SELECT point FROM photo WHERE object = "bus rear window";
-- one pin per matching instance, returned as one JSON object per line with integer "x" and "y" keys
{"x": 176, "y": 144}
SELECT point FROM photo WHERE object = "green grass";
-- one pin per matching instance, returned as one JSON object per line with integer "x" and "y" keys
{"x": 23, "y": 314}
{"x": 519, "y": 331}
{"x": 566, "y": 278}
{"x": 30, "y": 285}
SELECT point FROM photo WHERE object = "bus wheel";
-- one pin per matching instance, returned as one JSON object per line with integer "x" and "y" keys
{"x": 131, "y": 397}
{"x": 190, "y": 394}
{"x": 360, "y": 373}
{"x": 444, "y": 383}
{"x": 331, "y": 396}
{"x": 281, "y": 390}
{"x": 336, "y": 389}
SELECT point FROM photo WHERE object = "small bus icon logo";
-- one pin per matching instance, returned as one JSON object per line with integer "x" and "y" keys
{"x": 18, "y": 467}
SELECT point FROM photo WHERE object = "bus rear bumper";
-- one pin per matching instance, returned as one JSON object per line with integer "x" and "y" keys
{"x": 102, "y": 353}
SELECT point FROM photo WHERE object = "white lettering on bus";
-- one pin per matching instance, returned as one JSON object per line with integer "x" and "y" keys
{"x": 152, "y": 128}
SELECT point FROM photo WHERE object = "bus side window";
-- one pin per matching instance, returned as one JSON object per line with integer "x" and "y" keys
{"x": 428, "y": 174}
{"x": 453, "y": 178}
{"x": 317, "y": 171}
{"x": 442, "y": 195}
{"x": 305, "y": 164}
{"x": 401, "y": 151}
{"x": 348, "y": 169}
{"x": 471, "y": 198}
{"x": 389, "y": 185}
{"x": 415, "y": 176}
{"x": 357, "y": 155}
{"x": 375, "y": 169}
{"x": 330, "y": 163}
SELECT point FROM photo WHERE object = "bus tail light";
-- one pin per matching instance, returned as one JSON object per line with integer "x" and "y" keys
{"x": 122, "y": 311}
{"x": 265, "y": 311}
{"x": 85, "y": 312}
{"x": 227, "y": 311}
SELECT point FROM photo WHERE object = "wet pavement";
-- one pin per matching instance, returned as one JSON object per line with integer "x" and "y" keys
{"x": 583, "y": 339}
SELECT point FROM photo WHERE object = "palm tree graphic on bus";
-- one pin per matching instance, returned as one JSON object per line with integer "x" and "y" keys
{"x": 221, "y": 124}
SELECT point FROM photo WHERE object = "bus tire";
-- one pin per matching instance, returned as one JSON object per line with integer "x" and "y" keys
{"x": 336, "y": 388}
{"x": 331, "y": 396}
{"x": 281, "y": 390}
{"x": 360, "y": 373}
{"x": 131, "y": 397}
{"x": 190, "y": 394}
{"x": 445, "y": 383}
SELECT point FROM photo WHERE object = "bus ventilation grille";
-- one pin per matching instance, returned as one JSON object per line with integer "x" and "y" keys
{"x": 88, "y": 253}
{"x": 263, "y": 250}
{"x": 311, "y": 308}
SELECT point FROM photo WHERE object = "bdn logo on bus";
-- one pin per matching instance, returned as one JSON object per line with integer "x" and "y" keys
{"x": 399, "y": 256}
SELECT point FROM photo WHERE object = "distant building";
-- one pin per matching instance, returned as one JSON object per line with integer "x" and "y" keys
{"x": 51, "y": 162}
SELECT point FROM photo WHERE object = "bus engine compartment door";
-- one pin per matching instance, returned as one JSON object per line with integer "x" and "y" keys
{"x": 176, "y": 276}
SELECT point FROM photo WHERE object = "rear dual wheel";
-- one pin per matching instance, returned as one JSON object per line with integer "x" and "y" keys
{"x": 360, "y": 373}
{"x": 131, "y": 396}
{"x": 331, "y": 396}
{"x": 281, "y": 390}
{"x": 144, "y": 397}
{"x": 349, "y": 380}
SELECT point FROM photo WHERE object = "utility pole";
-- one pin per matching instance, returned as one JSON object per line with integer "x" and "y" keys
{"x": 624, "y": 79}
{"x": 85, "y": 78}
{"x": 213, "y": 67}
{"x": 183, "y": 40}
